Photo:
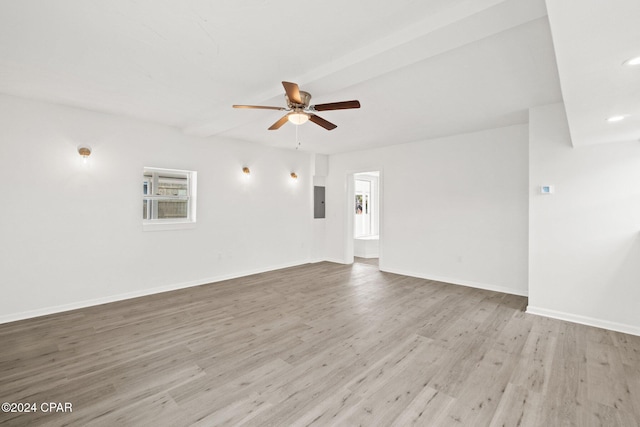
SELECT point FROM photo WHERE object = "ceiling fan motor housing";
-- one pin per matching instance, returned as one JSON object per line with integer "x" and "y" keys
{"x": 305, "y": 97}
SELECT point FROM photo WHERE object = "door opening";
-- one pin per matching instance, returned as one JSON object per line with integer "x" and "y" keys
{"x": 366, "y": 217}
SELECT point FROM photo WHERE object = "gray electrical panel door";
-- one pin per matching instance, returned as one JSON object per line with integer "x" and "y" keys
{"x": 318, "y": 202}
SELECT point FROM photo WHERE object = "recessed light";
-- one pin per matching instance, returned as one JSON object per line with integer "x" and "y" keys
{"x": 613, "y": 119}
{"x": 633, "y": 61}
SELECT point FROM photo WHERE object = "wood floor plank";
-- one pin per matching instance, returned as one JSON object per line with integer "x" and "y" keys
{"x": 429, "y": 407}
{"x": 395, "y": 387}
{"x": 319, "y": 345}
{"x": 632, "y": 375}
{"x": 606, "y": 372}
{"x": 517, "y": 408}
{"x": 628, "y": 346}
{"x": 534, "y": 368}
{"x": 491, "y": 375}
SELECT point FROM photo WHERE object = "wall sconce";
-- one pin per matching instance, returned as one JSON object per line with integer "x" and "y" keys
{"x": 293, "y": 175}
{"x": 85, "y": 152}
{"x": 632, "y": 62}
{"x": 246, "y": 170}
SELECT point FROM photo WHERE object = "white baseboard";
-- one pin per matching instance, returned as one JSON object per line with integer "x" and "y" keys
{"x": 574, "y": 318}
{"x": 336, "y": 260}
{"x": 140, "y": 293}
{"x": 585, "y": 320}
{"x": 454, "y": 281}
{"x": 367, "y": 255}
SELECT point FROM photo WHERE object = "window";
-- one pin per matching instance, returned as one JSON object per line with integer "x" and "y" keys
{"x": 168, "y": 199}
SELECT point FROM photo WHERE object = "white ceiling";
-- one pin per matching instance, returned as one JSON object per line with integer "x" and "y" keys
{"x": 421, "y": 69}
{"x": 593, "y": 38}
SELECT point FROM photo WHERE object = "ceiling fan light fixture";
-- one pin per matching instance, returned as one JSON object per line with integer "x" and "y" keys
{"x": 298, "y": 118}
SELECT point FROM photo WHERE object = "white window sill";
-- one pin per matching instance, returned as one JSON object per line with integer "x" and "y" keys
{"x": 165, "y": 226}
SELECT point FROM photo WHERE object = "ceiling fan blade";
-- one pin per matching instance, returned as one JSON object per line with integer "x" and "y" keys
{"x": 322, "y": 122}
{"x": 293, "y": 92}
{"x": 279, "y": 123}
{"x": 260, "y": 107}
{"x": 344, "y": 105}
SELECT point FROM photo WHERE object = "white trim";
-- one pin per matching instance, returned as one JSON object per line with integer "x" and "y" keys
{"x": 349, "y": 219}
{"x": 141, "y": 293}
{"x": 338, "y": 261}
{"x": 585, "y": 320}
{"x": 453, "y": 281}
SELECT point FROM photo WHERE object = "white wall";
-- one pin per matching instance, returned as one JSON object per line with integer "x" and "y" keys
{"x": 72, "y": 235}
{"x": 584, "y": 255}
{"x": 453, "y": 209}
{"x": 320, "y": 170}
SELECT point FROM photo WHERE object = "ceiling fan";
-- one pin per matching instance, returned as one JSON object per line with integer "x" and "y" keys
{"x": 299, "y": 110}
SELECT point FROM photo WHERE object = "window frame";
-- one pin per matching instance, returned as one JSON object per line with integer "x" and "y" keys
{"x": 150, "y": 178}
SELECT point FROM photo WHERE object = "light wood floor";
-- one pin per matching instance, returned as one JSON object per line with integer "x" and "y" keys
{"x": 321, "y": 345}
{"x": 370, "y": 261}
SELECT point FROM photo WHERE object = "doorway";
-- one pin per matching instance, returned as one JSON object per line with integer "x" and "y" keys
{"x": 365, "y": 216}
